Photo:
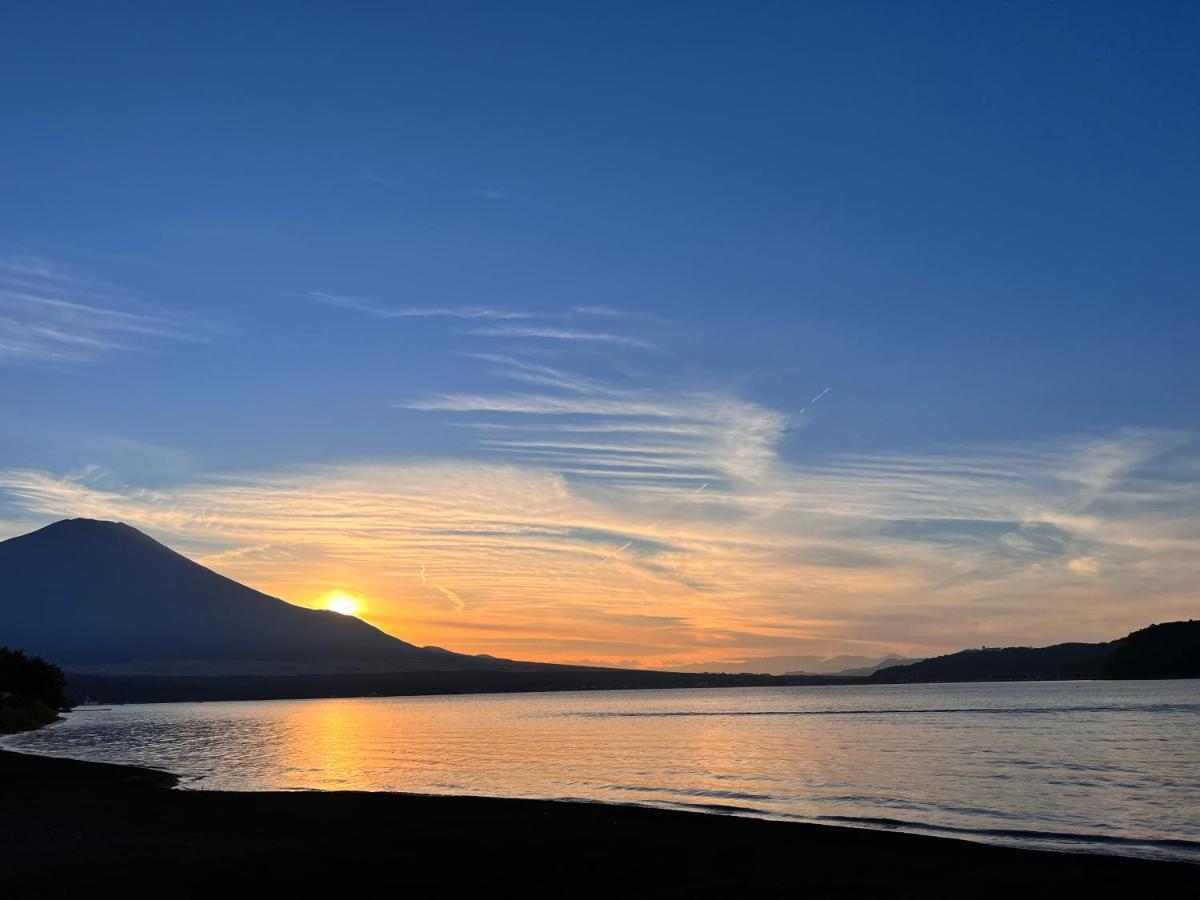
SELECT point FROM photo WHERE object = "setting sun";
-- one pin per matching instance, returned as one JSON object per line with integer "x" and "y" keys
{"x": 338, "y": 602}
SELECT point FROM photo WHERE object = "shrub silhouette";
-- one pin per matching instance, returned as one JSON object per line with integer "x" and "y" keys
{"x": 31, "y": 691}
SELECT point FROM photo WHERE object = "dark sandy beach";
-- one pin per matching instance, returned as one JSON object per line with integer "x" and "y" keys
{"x": 66, "y": 826}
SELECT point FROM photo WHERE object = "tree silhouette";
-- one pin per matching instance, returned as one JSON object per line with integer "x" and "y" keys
{"x": 32, "y": 691}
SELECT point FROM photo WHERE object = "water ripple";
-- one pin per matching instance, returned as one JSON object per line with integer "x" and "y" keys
{"x": 1101, "y": 766}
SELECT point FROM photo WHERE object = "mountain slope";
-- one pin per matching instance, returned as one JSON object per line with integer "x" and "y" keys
{"x": 106, "y": 596}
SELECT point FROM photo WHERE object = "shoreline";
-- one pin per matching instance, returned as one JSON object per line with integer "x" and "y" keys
{"x": 526, "y": 678}
{"x": 1068, "y": 843}
{"x": 70, "y": 823}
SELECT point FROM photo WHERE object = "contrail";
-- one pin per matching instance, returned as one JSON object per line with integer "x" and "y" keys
{"x": 600, "y": 565}
{"x": 811, "y": 403}
{"x": 459, "y": 603}
{"x": 616, "y": 552}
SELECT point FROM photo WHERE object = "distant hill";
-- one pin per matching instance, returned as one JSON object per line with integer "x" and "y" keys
{"x": 1004, "y": 664}
{"x": 1170, "y": 650}
{"x": 1160, "y": 651}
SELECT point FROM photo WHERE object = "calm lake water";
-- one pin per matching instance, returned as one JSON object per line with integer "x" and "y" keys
{"x": 1109, "y": 767}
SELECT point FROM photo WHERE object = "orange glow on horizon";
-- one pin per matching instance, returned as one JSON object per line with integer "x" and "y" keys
{"x": 775, "y": 562}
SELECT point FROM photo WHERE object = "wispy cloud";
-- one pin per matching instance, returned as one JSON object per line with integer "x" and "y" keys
{"x": 49, "y": 314}
{"x": 371, "y": 308}
{"x": 515, "y": 332}
{"x": 562, "y": 334}
{"x": 381, "y": 180}
{"x": 528, "y": 371}
{"x": 666, "y": 436}
{"x": 610, "y": 312}
{"x": 455, "y": 600}
{"x": 912, "y": 553}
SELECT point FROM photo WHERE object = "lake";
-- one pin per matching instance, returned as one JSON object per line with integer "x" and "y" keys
{"x": 1109, "y": 767}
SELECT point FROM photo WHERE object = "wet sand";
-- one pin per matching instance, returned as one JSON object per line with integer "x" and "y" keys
{"x": 68, "y": 826}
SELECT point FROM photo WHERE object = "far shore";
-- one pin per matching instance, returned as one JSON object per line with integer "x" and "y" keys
{"x": 67, "y": 825}
{"x": 113, "y": 690}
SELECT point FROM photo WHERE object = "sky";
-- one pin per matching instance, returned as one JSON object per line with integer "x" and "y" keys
{"x": 647, "y": 334}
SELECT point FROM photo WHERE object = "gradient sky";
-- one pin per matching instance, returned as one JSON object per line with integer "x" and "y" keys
{"x": 637, "y": 333}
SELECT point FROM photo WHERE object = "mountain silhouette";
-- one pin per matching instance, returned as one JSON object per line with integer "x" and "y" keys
{"x": 131, "y": 620}
{"x": 104, "y": 596}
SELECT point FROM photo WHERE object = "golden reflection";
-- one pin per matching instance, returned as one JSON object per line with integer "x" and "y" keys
{"x": 323, "y": 743}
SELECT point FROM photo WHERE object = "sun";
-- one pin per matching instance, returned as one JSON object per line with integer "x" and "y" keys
{"x": 339, "y": 602}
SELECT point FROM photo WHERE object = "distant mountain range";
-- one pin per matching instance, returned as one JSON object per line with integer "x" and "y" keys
{"x": 130, "y": 619}
{"x": 796, "y": 666}
{"x": 870, "y": 668}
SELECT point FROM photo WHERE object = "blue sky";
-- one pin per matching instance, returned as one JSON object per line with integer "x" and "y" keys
{"x": 251, "y": 242}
